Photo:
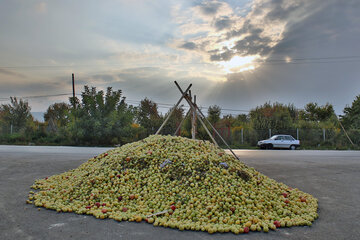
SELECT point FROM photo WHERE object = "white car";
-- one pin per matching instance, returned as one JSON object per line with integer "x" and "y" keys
{"x": 279, "y": 141}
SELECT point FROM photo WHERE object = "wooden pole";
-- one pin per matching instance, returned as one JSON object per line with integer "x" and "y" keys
{"x": 178, "y": 128}
{"x": 222, "y": 139}
{"x": 206, "y": 129}
{"x": 176, "y": 105}
{"x": 203, "y": 116}
{"x": 73, "y": 85}
{"x": 345, "y": 132}
{"x": 193, "y": 121}
{"x": 194, "y": 108}
{"x": 73, "y": 89}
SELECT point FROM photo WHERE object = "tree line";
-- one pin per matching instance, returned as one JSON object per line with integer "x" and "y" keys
{"x": 104, "y": 118}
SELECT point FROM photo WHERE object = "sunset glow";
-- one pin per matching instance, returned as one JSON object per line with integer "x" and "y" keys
{"x": 239, "y": 64}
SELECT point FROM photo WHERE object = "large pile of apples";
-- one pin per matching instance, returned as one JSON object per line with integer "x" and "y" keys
{"x": 179, "y": 183}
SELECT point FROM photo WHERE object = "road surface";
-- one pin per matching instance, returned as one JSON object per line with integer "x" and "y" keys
{"x": 331, "y": 176}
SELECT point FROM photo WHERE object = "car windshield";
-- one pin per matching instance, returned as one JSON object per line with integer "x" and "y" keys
{"x": 273, "y": 137}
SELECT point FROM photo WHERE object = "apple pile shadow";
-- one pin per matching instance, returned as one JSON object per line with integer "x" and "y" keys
{"x": 179, "y": 183}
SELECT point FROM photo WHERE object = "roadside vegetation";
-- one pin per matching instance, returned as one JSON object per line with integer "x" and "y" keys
{"x": 104, "y": 118}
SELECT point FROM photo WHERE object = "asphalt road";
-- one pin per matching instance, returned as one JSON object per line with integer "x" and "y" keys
{"x": 331, "y": 176}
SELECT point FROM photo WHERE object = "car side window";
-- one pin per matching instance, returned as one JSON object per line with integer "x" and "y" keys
{"x": 279, "y": 138}
{"x": 289, "y": 138}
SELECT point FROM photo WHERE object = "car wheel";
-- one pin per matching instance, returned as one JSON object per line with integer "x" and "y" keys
{"x": 269, "y": 146}
{"x": 292, "y": 147}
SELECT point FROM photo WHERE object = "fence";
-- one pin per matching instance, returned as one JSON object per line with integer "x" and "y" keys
{"x": 236, "y": 137}
{"x": 309, "y": 138}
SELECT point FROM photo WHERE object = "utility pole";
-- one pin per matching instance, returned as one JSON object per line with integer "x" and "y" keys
{"x": 73, "y": 88}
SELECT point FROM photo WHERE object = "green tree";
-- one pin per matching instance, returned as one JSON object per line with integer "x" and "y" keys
{"x": 57, "y": 115}
{"x": 351, "y": 117}
{"x": 242, "y": 118}
{"x": 271, "y": 116}
{"x": 214, "y": 113}
{"x": 16, "y": 114}
{"x": 148, "y": 116}
{"x": 174, "y": 120}
{"x": 101, "y": 120}
{"x": 313, "y": 112}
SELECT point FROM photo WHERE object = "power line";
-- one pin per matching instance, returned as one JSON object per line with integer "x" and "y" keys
{"x": 313, "y": 58}
{"x": 159, "y": 104}
{"x": 333, "y": 59}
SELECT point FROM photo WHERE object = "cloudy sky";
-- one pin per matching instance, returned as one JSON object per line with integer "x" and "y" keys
{"x": 237, "y": 53}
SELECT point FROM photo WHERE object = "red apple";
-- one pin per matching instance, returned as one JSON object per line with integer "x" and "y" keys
{"x": 104, "y": 204}
{"x": 118, "y": 175}
{"x": 128, "y": 159}
{"x": 173, "y": 207}
{"x": 88, "y": 207}
{"x": 103, "y": 210}
{"x": 124, "y": 209}
{"x": 149, "y": 152}
{"x": 120, "y": 198}
{"x": 277, "y": 224}
{"x": 132, "y": 196}
{"x": 302, "y": 199}
{"x": 232, "y": 209}
{"x": 97, "y": 204}
{"x": 286, "y": 201}
{"x": 285, "y": 194}
{"x": 246, "y": 229}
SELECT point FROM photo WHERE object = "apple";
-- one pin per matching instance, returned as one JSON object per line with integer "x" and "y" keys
{"x": 285, "y": 194}
{"x": 277, "y": 224}
{"x": 129, "y": 185}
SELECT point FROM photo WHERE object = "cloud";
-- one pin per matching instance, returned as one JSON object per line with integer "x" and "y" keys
{"x": 255, "y": 33}
{"x": 11, "y": 73}
{"x": 222, "y": 23}
{"x": 223, "y": 56}
{"x": 41, "y": 7}
{"x": 189, "y": 46}
{"x": 210, "y": 8}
